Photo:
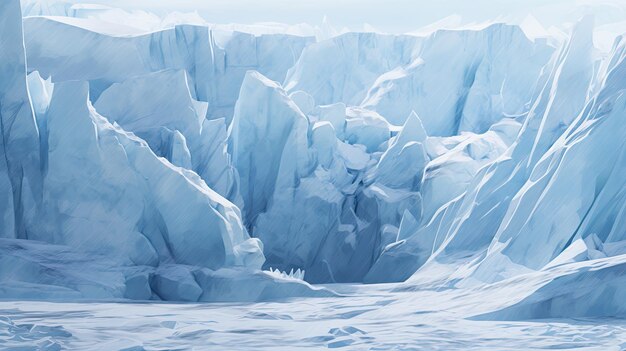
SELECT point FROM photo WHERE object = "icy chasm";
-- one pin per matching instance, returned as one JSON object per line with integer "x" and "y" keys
{"x": 178, "y": 164}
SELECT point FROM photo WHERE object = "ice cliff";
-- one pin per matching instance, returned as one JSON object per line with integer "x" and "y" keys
{"x": 77, "y": 179}
{"x": 178, "y": 164}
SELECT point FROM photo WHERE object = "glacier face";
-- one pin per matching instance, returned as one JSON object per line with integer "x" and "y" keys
{"x": 20, "y": 175}
{"x": 215, "y": 61}
{"x": 179, "y": 164}
{"x": 455, "y": 80}
{"x": 79, "y": 180}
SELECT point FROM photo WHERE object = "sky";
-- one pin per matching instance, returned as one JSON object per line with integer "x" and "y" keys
{"x": 387, "y": 15}
{"x": 390, "y": 16}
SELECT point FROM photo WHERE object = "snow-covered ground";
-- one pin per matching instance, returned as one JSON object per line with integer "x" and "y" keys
{"x": 366, "y": 318}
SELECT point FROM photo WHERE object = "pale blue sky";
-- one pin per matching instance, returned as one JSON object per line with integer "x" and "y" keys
{"x": 387, "y": 15}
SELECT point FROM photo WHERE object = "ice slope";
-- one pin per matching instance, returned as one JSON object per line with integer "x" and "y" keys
{"x": 354, "y": 157}
{"x": 358, "y": 60}
{"x": 20, "y": 175}
{"x": 176, "y": 164}
{"x": 215, "y": 61}
{"x": 494, "y": 191}
{"x": 268, "y": 141}
{"x": 106, "y": 223}
{"x": 299, "y": 162}
{"x": 116, "y": 170}
{"x": 125, "y": 203}
{"x": 292, "y": 173}
{"x": 321, "y": 167}
{"x": 403, "y": 162}
{"x": 286, "y": 188}
{"x": 103, "y": 215}
{"x": 32, "y": 270}
{"x": 456, "y": 81}
{"x": 310, "y": 171}
{"x": 488, "y": 206}
{"x": 590, "y": 288}
{"x": 550, "y": 211}
{"x": 159, "y": 108}
{"x": 446, "y": 177}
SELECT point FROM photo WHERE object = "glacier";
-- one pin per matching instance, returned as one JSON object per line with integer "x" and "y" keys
{"x": 469, "y": 175}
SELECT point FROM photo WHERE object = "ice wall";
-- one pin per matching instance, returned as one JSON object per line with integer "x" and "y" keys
{"x": 178, "y": 164}
{"x": 20, "y": 175}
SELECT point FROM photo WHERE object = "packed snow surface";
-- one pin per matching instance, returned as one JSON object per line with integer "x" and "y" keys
{"x": 371, "y": 318}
